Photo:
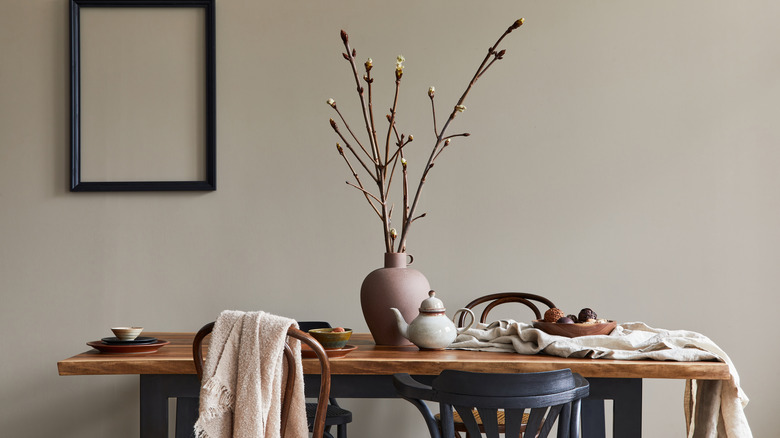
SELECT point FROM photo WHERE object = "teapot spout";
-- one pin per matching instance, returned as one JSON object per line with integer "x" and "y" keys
{"x": 403, "y": 327}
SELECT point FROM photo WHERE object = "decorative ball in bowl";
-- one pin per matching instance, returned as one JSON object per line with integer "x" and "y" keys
{"x": 331, "y": 338}
{"x": 127, "y": 333}
{"x": 572, "y": 330}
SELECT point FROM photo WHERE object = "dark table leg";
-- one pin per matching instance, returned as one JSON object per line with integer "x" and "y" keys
{"x": 186, "y": 416}
{"x": 156, "y": 389}
{"x": 626, "y": 395}
{"x": 593, "y": 420}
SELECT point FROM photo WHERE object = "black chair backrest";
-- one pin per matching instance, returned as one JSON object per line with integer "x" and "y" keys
{"x": 497, "y": 299}
{"x": 547, "y": 397}
{"x": 305, "y": 326}
{"x": 318, "y": 427}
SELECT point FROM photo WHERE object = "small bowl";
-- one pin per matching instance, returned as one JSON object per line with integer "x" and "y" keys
{"x": 127, "y": 333}
{"x": 329, "y": 339}
{"x": 575, "y": 330}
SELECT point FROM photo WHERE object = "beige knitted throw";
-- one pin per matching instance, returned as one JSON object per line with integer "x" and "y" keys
{"x": 713, "y": 409}
{"x": 243, "y": 379}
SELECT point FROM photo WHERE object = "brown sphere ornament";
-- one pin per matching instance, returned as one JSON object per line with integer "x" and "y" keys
{"x": 553, "y": 314}
{"x": 586, "y": 314}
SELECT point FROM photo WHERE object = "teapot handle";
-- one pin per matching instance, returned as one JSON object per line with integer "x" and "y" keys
{"x": 473, "y": 319}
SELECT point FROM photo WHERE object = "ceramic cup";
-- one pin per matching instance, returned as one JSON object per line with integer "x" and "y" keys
{"x": 127, "y": 333}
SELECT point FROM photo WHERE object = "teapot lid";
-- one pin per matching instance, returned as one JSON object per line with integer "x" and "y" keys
{"x": 432, "y": 304}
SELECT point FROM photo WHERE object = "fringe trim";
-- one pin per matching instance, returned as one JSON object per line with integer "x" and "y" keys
{"x": 224, "y": 398}
{"x": 222, "y": 394}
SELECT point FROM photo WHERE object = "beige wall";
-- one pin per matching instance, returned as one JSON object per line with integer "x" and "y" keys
{"x": 624, "y": 157}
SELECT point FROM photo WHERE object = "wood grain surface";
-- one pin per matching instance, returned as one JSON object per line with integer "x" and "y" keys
{"x": 370, "y": 359}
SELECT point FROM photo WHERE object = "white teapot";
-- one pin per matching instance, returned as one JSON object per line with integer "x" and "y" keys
{"x": 431, "y": 330}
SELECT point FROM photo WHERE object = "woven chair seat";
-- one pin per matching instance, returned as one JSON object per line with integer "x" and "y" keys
{"x": 460, "y": 427}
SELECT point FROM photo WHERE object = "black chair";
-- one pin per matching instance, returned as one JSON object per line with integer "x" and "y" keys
{"x": 547, "y": 396}
{"x": 336, "y": 415}
{"x": 497, "y": 299}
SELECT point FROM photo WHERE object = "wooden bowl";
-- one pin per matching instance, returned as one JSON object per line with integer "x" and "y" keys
{"x": 329, "y": 339}
{"x": 575, "y": 330}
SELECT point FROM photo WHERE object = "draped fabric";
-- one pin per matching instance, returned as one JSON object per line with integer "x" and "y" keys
{"x": 712, "y": 408}
{"x": 243, "y": 379}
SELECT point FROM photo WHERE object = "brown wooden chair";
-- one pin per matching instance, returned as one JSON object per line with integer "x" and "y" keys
{"x": 497, "y": 299}
{"x": 318, "y": 425}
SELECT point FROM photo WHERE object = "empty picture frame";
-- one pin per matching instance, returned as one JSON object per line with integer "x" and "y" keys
{"x": 143, "y": 90}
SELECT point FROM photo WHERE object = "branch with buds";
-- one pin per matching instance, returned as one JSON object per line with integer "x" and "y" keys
{"x": 381, "y": 160}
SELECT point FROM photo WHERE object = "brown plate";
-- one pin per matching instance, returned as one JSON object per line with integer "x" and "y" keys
{"x": 127, "y": 348}
{"x": 575, "y": 330}
{"x": 308, "y": 353}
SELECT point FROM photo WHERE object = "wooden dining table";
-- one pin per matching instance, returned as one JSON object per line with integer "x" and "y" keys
{"x": 366, "y": 372}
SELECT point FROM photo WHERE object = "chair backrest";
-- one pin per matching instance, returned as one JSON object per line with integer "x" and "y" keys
{"x": 305, "y": 326}
{"x": 547, "y": 396}
{"x": 318, "y": 427}
{"x": 497, "y": 299}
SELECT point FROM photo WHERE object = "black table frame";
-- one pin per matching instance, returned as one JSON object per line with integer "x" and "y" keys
{"x": 156, "y": 389}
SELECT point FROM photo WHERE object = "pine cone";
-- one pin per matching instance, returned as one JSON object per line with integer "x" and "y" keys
{"x": 553, "y": 314}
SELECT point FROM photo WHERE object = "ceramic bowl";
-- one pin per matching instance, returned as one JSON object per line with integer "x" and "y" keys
{"x": 127, "y": 333}
{"x": 575, "y": 330}
{"x": 329, "y": 339}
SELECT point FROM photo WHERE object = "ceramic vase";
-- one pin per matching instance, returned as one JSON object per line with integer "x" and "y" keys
{"x": 393, "y": 286}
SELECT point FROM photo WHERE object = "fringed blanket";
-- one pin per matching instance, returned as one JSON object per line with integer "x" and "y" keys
{"x": 243, "y": 379}
{"x": 712, "y": 408}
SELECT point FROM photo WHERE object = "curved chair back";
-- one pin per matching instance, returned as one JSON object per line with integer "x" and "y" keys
{"x": 322, "y": 400}
{"x": 480, "y": 399}
{"x": 497, "y": 299}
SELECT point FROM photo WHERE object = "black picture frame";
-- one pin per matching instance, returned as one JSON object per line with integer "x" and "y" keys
{"x": 209, "y": 136}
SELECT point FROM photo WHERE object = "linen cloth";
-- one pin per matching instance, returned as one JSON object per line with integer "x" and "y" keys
{"x": 712, "y": 408}
{"x": 243, "y": 378}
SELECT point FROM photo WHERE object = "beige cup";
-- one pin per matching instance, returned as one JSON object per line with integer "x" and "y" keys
{"x": 127, "y": 333}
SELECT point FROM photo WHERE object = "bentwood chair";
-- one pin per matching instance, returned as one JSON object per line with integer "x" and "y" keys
{"x": 497, "y": 299}
{"x": 490, "y": 302}
{"x": 336, "y": 415}
{"x": 542, "y": 398}
{"x": 317, "y": 426}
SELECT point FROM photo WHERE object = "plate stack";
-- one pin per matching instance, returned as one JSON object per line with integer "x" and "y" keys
{"x": 141, "y": 344}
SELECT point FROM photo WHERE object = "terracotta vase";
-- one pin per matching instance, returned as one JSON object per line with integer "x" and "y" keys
{"x": 397, "y": 286}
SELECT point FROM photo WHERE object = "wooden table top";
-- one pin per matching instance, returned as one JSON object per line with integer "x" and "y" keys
{"x": 370, "y": 359}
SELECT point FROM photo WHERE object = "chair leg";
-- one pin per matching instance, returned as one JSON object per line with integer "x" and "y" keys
{"x": 430, "y": 421}
{"x": 341, "y": 431}
{"x": 186, "y": 415}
